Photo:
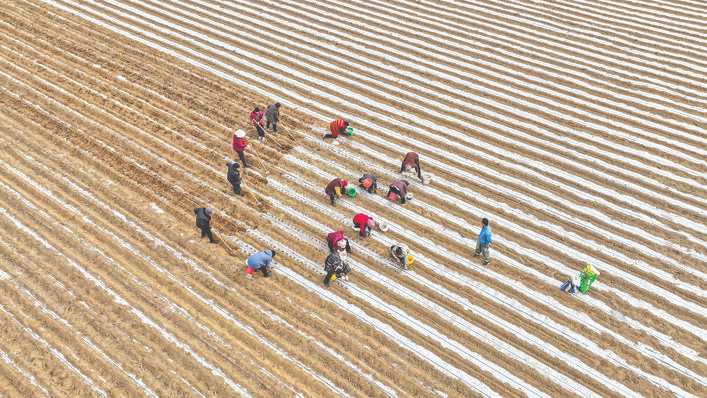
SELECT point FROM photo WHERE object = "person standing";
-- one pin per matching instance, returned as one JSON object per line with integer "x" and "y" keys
{"x": 260, "y": 261}
{"x": 239, "y": 144}
{"x": 203, "y": 221}
{"x": 410, "y": 161}
{"x": 272, "y": 116}
{"x": 484, "y": 241}
{"x": 256, "y": 118}
{"x": 337, "y": 127}
{"x": 234, "y": 177}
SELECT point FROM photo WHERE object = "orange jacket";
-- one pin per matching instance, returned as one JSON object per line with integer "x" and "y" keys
{"x": 337, "y": 127}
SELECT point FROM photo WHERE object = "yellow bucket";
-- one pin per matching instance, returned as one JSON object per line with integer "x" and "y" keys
{"x": 409, "y": 260}
{"x": 333, "y": 278}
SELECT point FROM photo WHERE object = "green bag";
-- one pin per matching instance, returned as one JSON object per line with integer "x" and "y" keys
{"x": 350, "y": 131}
{"x": 585, "y": 281}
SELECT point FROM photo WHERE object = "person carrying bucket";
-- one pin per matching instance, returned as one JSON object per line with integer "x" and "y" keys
{"x": 398, "y": 191}
{"x": 410, "y": 161}
{"x": 337, "y": 127}
{"x": 338, "y": 242}
{"x": 402, "y": 255}
{"x": 364, "y": 224}
{"x": 587, "y": 277}
{"x": 369, "y": 182}
{"x": 335, "y": 189}
{"x": 335, "y": 268}
{"x": 260, "y": 261}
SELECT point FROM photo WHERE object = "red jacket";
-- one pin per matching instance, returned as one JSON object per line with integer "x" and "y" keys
{"x": 361, "y": 220}
{"x": 335, "y": 237}
{"x": 239, "y": 144}
{"x": 337, "y": 127}
{"x": 257, "y": 118}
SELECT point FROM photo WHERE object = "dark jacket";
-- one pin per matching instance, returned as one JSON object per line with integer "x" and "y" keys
{"x": 202, "y": 219}
{"x": 234, "y": 176}
{"x": 272, "y": 113}
{"x": 331, "y": 187}
{"x": 334, "y": 264}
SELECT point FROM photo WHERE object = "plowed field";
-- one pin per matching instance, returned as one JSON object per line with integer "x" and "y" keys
{"x": 577, "y": 127}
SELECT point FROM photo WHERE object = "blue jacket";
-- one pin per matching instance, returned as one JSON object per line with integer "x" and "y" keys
{"x": 260, "y": 259}
{"x": 485, "y": 236}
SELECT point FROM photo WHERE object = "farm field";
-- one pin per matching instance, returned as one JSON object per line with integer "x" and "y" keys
{"x": 578, "y": 127}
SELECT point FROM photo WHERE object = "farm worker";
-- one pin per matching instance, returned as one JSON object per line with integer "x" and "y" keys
{"x": 369, "y": 182}
{"x": 583, "y": 283}
{"x": 260, "y": 261}
{"x": 203, "y": 221}
{"x": 337, "y": 127}
{"x": 410, "y": 161}
{"x": 239, "y": 144}
{"x": 234, "y": 177}
{"x": 484, "y": 241}
{"x": 338, "y": 242}
{"x": 364, "y": 223}
{"x": 272, "y": 116}
{"x": 256, "y": 118}
{"x": 402, "y": 254}
{"x": 335, "y": 189}
{"x": 334, "y": 265}
{"x": 398, "y": 190}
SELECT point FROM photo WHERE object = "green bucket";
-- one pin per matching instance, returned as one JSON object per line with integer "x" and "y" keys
{"x": 351, "y": 192}
{"x": 350, "y": 131}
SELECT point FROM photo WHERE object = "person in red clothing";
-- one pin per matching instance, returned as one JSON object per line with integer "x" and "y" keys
{"x": 335, "y": 189}
{"x": 338, "y": 242}
{"x": 411, "y": 160}
{"x": 256, "y": 118}
{"x": 337, "y": 127}
{"x": 239, "y": 144}
{"x": 364, "y": 223}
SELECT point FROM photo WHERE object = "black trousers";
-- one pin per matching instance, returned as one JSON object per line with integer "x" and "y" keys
{"x": 260, "y": 130}
{"x": 206, "y": 231}
{"x": 241, "y": 156}
{"x": 237, "y": 188}
{"x": 332, "y": 197}
{"x": 274, "y": 125}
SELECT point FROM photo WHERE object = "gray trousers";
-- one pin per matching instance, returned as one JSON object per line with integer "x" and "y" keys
{"x": 483, "y": 250}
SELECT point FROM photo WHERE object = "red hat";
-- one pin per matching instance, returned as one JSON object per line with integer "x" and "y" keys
{"x": 344, "y": 182}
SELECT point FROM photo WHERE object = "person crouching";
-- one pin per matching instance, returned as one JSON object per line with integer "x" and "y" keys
{"x": 260, "y": 261}
{"x": 334, "y": 265}
{"x": 338, "y": 242}
{"x": 398, "y": 191}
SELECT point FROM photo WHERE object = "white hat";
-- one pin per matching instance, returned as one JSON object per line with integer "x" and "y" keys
{"x": 383, "y": 226}
{"x": 239, "y": 133}
{"x": 409, "y": 196}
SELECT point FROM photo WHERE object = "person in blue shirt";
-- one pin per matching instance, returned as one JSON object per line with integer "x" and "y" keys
{"x": 484, "y": 241}
{"x": 260, "y": 261}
